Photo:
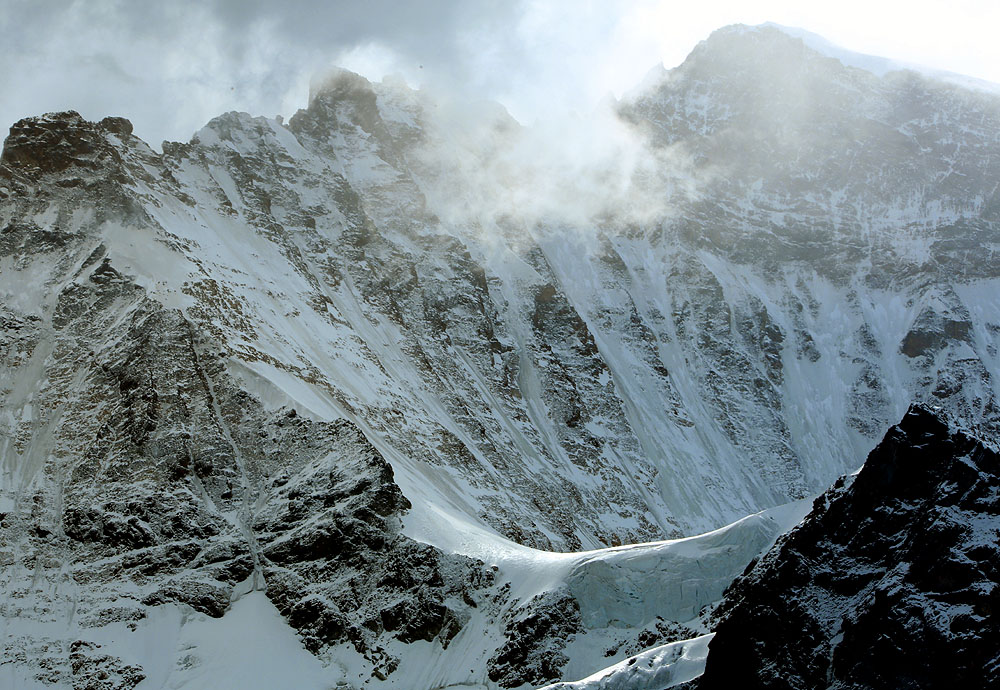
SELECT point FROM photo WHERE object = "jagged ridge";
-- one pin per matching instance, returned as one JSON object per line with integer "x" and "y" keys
{"x": 891, "y": 581}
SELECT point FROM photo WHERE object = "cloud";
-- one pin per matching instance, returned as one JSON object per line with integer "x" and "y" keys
{"x": 171, "y": 66}
{"x": 480, "y": 169}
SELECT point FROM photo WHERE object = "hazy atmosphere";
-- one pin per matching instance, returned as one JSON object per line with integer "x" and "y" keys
{"x": 170, "y": 67}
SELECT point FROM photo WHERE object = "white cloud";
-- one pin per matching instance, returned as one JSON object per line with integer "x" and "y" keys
{"x": 171, "y": 66}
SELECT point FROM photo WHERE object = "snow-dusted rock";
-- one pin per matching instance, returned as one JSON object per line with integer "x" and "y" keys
{"x": 312, "y": 360}
{"x": 890, "y": 582}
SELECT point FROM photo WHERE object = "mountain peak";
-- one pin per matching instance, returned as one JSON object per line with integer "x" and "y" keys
{"x": 773, "y": 34}
{"x": 898, "y": 576}
{"x": 56, "y": 141}
{"x": 339, "y": 83}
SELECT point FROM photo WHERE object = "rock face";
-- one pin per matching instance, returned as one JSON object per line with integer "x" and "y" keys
{"x": 536, "y": 640}
{"x": 825, "y": 163}
{"x": 274, "y": 359}
{"x": 891, "y": 582}
{"x": 150, "y": 476}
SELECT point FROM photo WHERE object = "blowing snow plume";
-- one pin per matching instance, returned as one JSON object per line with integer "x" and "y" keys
{"x": 578, "y": 171}
{"x": 478, "y": 167}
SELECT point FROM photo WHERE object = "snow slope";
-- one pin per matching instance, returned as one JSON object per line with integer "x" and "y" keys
{"x": 659, "y": 667}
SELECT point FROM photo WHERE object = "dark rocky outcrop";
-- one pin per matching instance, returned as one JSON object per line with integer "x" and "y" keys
{"x": 337, "y": 567}
{"x": 893, "y": 581}
{"x": 536, "y": 635}
{"x": 56, "y": 141}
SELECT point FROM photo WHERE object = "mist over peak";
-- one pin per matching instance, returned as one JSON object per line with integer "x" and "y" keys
{"x": 747, "y": 104}
{"x": 773, "y": 41}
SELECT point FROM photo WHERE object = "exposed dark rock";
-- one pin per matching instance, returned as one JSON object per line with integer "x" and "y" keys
{"x": 119, "y": 125}
{"x": 921, "y": 342}
{"x": 93, "y": 670}
{"x": 413, "y": 620}
{"x": 660, "y": 633}
{"x": 890, "y": 582}
{"x": 203, "y": 597}
{"x": 535, "y": 635}
{"x": 54, "y": 142}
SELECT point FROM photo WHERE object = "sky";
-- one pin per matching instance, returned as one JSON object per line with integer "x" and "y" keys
{"x": 171, "y": 66}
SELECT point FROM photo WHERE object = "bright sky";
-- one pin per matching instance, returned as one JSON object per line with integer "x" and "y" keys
{"x": 170, "y": 67}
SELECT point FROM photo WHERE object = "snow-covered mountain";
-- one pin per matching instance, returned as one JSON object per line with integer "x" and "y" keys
{"x": 316, "y": 374}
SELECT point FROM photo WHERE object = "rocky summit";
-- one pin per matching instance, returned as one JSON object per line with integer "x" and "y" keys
{"x": 337, "y": 402}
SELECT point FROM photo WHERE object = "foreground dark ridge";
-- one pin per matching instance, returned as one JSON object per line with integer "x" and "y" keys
{"x": 266, "y": 358}
{"x": 893, "y": 581}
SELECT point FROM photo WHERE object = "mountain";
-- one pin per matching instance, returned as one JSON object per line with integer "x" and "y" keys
{"x": 889, "y": 583}
{"x": 318, "y": 374}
